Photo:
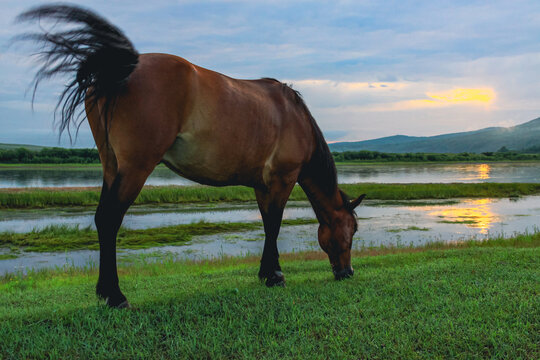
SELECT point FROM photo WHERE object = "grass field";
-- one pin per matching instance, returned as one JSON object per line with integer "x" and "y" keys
{"x": 42, "y": 198}
{"x": 461, "y": 302}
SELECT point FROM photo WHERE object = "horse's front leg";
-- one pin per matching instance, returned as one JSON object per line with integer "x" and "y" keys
{"x": 271, "y": 204}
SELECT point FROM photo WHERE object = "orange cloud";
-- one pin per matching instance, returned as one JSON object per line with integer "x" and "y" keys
{"x": 458, "y": 96}
{"x": 481, "y": 95}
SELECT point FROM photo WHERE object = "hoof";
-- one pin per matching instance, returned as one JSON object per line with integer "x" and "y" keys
{"x": 116, "y": 304}
{"x": 276, "y": 279}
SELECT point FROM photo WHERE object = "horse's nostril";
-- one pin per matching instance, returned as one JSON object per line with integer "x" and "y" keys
{"x": 344, "y": 273}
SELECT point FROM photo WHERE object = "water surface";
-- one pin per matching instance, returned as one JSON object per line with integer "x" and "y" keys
{"x": 385, "y": 173}
{"x": 405, "y": 225}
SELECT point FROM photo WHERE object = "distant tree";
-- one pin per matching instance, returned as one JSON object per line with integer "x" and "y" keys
{"x": 23, "y": 155}
{"x": 365, "y": 155}
{"x": 531, "y": 150}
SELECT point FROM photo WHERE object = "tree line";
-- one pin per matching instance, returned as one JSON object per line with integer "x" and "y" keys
{"x": 502, "y": 154}
{"x": 90, "y": 156}
{"x": 53, "y": 155}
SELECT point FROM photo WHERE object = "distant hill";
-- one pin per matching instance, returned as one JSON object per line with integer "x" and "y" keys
{"x": 518, "y": 137}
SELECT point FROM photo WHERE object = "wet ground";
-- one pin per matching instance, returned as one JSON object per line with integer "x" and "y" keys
{"x": 412, "y": 223}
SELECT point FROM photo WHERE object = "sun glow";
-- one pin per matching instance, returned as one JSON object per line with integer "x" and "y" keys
{"x": 482, "y": 95}
{"x": 479, "y": 97}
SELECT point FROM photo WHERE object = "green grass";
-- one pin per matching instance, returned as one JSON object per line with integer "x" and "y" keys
{"x": 416, "y": 202}
{"x": 61, "y": 238}
{"x": 470, "y": 222}
{"x": 456, "y": 303}
{"x": 42, "y": 198}
{"x": 410, "y": 228}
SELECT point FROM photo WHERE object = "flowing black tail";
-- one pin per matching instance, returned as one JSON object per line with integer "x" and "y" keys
{"x": 97, "y": 53}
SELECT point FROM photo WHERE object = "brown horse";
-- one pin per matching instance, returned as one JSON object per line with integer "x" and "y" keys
{"x": 205, "y": 126}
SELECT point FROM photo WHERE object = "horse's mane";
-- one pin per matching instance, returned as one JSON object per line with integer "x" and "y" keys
{"x": 321, "y": 168}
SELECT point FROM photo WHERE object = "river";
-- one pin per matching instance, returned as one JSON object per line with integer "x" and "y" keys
{"x": 523, "y": 172}
{"x": 410, "y": 224}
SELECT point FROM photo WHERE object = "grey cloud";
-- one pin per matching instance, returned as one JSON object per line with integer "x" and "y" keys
{"x": 428, "y": 45}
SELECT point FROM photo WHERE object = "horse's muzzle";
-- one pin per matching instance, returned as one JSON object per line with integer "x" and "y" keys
{"x": 343, "y": 273}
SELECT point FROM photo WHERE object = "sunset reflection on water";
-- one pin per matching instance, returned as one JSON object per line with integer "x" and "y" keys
{"x": 476, "y": 172}
{"x": 483, "y": 171}
{"x": 477, "y": 214}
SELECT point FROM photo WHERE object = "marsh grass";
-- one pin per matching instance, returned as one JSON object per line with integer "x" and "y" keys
{"x": 62, "y": 237}
{"x": 410, "y": 228}
{"x": 155, "y": 195}
{"x": 410, "y": 203}
{"x": 468, "y": 222}
{"x": 468, "y": 301}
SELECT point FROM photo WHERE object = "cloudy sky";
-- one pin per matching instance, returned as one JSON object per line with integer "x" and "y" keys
{"x": 366, "y": 69}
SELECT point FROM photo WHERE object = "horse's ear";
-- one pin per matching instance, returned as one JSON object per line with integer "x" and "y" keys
{"x": 354, "y": 203}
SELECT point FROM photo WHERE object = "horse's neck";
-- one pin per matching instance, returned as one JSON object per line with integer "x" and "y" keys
{"x": 323, "y": 201}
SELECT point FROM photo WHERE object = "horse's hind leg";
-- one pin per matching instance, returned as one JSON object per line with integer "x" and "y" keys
{"x": 118, "y": 193}
{"x": 271, "y": 204}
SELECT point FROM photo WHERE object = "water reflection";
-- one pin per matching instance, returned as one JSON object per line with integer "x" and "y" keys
{"x": 378, "y": 225}
{"x": 139, "y": 217}
{"x": 483, "y": 171}
{"x": 387, "y": 173}
{"x": 476, "y": 214}
{"x": 75, "y": 176}
{"x": 475, "y": 172}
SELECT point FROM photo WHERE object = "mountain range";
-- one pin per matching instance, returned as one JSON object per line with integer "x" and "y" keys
{"x": 518, "y": 137}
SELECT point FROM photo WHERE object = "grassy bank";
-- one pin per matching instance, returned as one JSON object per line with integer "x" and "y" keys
{"x": 466, "y": 302}
{"x": 500, "y": 156}
{"x": 41, "y": 198}
{"x": 434, "y": 163}
{"x": 62, "y": 238}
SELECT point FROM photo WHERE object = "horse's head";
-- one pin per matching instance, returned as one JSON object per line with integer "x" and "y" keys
{"x": 336, "y": 238}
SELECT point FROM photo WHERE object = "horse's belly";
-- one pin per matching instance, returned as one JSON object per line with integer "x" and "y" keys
{"x": 202, "y": 162}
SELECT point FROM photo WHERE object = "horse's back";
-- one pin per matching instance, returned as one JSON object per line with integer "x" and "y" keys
{"x": 206, "y": 126}
{"x": 240, "y": 132}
